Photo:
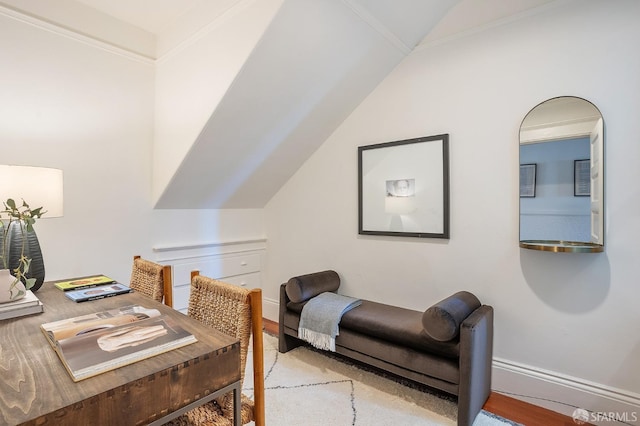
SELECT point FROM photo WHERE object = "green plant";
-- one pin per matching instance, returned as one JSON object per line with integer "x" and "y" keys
{"x": 24, "y": 217}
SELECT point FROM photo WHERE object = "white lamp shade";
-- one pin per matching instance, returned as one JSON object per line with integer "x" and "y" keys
{"x": 38, "y": 186}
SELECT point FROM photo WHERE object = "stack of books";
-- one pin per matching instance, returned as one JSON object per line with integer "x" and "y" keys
{"x": 91, "y": 288}
{"x": 28, "y": 305}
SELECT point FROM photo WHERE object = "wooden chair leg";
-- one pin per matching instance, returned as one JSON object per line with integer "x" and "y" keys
{"x": 258, "y": 357}
{"x": 168, "y": 285}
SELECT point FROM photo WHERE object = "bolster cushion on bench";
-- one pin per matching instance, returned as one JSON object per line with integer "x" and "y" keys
{"x": 304, "y": 287}
{"x": 442, "y": 320}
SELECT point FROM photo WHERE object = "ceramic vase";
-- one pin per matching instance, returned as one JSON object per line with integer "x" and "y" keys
{"x": 10, "y": 289}
{"x": 31, "y": 250}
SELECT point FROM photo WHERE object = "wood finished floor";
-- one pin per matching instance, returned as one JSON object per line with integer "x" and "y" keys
{"x": 502, "y": 405}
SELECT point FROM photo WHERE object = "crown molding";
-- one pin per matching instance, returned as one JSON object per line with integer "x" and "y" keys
{"x": 73, "y": 35}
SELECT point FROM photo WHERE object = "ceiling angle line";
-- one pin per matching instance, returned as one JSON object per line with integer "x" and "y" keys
{"x": 220, "y": 20}
{"x": 378, "y": 26}
{"x": 496, "y": 23}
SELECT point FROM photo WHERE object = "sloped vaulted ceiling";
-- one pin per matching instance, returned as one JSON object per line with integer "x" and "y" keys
{"x": 314, "y": 63}
{"x": 247, "y": 90}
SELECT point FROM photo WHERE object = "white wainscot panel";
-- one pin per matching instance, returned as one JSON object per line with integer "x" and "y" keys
{"x": 237, "y": 263}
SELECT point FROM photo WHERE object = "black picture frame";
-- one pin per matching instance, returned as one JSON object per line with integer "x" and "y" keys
{"x": 403, "y": 188}
{"x": 528, "y": 180}
{"x": 582, "y": 178}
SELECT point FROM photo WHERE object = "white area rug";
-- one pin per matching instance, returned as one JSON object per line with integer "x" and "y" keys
{"x": 307, "y": 387}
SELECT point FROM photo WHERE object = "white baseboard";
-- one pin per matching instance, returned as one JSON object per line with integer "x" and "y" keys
{"x": 270, "y": 309}
{"x": 563, "y": 394}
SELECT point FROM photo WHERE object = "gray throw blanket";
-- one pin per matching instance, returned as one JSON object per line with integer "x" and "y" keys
{"x": 320, "y": 318}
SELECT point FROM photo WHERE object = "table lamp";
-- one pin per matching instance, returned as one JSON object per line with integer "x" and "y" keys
{"x": 39, "y": 187}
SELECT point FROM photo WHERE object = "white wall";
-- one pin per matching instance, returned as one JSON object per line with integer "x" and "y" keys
{"x": 70, "y": 103}
{"x": 192, "y": 78}
{"x": 566, "y": 325}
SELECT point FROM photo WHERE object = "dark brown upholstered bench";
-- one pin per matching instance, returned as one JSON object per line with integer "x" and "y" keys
{"x": 448, "y": 347}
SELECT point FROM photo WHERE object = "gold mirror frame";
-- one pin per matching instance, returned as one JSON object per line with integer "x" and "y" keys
{"x": 558, "y": 246}
{"x": 556, "y": 120}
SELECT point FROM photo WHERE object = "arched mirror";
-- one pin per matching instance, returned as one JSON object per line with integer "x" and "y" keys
{"x": 562, "y": 177}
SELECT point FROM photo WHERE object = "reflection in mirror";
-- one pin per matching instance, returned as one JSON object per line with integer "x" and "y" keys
{"x": 562, "y": 177}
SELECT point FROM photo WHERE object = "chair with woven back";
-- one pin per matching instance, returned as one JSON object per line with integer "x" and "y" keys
{"x": 152, "y": 279}
{"x": 236, "y": 312}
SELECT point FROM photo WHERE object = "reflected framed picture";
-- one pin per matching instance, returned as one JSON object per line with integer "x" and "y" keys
{"x": 403, "y": 188}
{"x": 582, "y": 178}
{"x": 527, "y": 180}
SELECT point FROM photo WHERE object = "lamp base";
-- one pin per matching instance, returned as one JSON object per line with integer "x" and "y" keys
{"x": 31, "y": 250}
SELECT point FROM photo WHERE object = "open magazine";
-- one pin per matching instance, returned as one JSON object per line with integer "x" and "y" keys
{"x": 95, "y": 343}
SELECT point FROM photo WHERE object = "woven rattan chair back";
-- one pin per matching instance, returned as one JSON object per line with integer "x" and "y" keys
{"x": 225, "y": 307}
{"x": 237, "y": 312}
{"x": 152, "y": 280}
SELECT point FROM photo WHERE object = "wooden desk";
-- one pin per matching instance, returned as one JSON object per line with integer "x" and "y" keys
{"x": 36, "y": 389}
